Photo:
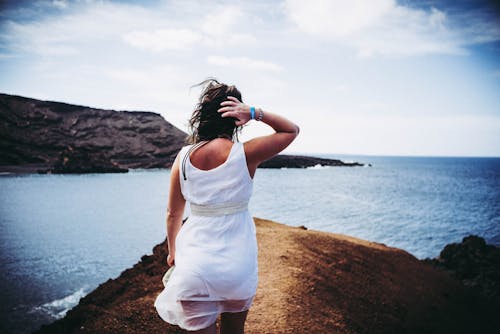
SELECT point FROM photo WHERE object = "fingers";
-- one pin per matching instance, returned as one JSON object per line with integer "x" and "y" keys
{"x": 231, "y": 101}
{"x": 229, "y": 114}
{"x": 228, "y": 103}
{"x": 224, "y": 109}
{"x": 232, "y": 107}
{"x": 234, "y": 99}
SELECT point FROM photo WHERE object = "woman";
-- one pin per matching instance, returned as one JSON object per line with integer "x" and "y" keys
{"x": 215, "y": 250}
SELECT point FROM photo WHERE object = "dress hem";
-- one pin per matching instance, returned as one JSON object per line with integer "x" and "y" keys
{"x": 213, "y": 299}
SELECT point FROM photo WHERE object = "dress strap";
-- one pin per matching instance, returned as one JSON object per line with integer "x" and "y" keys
{"x": 186, "y": 156}
{"x": 214, "y": 210}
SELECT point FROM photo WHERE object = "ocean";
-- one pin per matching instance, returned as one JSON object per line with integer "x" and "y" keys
{"x": 63, "y": 235}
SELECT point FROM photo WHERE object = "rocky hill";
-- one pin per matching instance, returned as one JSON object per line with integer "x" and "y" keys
{"x": 54, "y": 137}
{"x": 309, "y": 282}
{"x": 43, "y": 135}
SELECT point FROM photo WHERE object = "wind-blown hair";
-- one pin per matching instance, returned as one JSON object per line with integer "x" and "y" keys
{"x": 206, "y": 122}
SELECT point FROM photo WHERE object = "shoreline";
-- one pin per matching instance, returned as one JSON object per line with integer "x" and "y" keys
{"x": 309, "y": 281}
{"x": 280, "y": 161}
{"x": 21, "y": 169}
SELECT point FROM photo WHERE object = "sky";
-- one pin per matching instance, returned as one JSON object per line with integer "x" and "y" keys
{"x": 375, "y": 77}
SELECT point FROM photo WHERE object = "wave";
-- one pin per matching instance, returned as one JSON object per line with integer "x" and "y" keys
{"x": 59, "y": 307}
{"x": 318, "y": 166}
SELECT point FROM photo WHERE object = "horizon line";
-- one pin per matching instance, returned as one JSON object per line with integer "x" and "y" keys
{"x": 395, "y": 155}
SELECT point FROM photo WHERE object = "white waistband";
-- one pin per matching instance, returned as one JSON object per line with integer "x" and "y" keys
{"x": 214, "y": 210}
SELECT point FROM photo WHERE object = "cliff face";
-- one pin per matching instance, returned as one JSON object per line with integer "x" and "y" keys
{"x": 309, "y": 282}
{"x": 55, "y": 137}
{"x": 46, "y": 134}
{"x": 474, "y": 263}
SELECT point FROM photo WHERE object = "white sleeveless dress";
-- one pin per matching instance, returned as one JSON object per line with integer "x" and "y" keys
{"x": 216, "y": 268}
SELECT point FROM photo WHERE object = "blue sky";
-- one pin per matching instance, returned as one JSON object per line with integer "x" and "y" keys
{"x": 359, "y": 76}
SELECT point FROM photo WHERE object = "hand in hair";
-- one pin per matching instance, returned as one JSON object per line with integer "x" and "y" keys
{"x": 232, "y": 107}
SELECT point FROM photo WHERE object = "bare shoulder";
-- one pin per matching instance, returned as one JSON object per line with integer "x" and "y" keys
{"x": 211, "y": 154}
{"x": 217, "y": 147}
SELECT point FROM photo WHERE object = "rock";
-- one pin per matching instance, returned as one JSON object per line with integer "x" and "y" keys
{"x": 54, "y": 137}
{"x": 38, "y": 134}
{"x": 300, "y": 161}
{"x": 473, "y": 262}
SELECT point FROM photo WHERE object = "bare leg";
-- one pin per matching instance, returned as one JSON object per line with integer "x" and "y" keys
{"x": 233, "y": 323}
{"x": 193, "y": 306}
{"x": 209, "y": 330}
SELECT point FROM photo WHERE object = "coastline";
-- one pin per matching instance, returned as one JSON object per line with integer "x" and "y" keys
{"x": 309, "y": 281}
{"x": 79, "y": 167}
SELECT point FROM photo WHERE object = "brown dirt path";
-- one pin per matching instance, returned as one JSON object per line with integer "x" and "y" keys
{"x": 269, "y": 310}
{"x": 309, "y": 282}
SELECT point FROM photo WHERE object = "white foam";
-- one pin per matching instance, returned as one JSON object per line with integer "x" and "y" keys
{"x": 59, "y": 307}
{"x": 318, "y": 166}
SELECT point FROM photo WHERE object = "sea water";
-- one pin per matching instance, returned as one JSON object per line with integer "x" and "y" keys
{"x": 63, "y": 235}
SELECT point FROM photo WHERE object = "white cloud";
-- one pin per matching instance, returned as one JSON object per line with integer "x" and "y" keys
{"x": 7, "y": 56}
{"x": 243, "y": 62}
{"x": 477, "y": 27}
{"x": 221, "y": 20}
{"x": 230, "y": 40}
{"x": 61, "y": 4}
{"x": 163, "y": 39}
{"x": 31, "y": 38}
{"x": 218, "y": 29}
{"x": 407, "y": 32}
{"x": 437, "y": 19}
{"x": 386, "y": 28}
{"x": 123, "y": 56}
{"x": 80, "y": 26}
{"x": 338, "y": 17}
{"x": 222, "y": 27}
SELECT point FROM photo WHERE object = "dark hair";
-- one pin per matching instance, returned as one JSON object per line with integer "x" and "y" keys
{"x": 206, "y": 122}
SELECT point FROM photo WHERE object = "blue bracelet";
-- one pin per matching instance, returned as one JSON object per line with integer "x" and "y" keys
{"x": 252, "y": 112}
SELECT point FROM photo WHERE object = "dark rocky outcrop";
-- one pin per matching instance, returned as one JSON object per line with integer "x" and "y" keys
{"x": 54, "y": 137}
{"x": 300, "y": 161}
{"x": 473, "y": 262}
{"x": 41, "y": 135}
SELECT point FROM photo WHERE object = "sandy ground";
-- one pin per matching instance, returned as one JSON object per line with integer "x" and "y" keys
{"x": 309, "y": 282}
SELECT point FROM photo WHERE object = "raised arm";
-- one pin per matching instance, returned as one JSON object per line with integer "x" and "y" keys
{"x": 175, "y": 210}
{"x": 260, "y": 149}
